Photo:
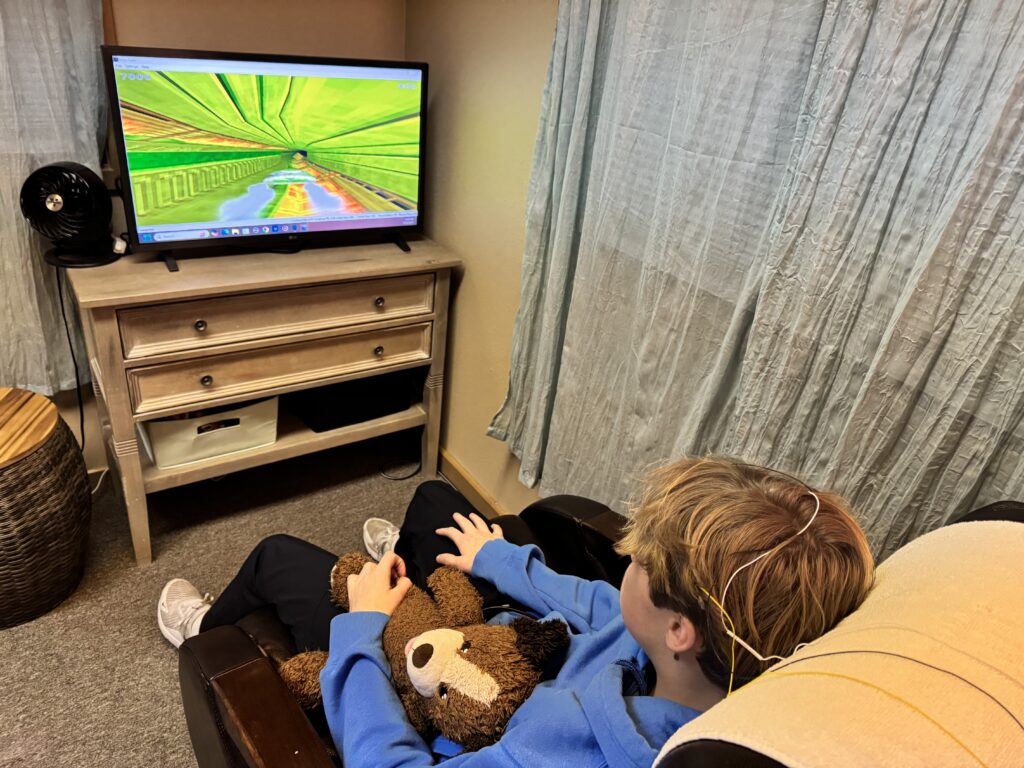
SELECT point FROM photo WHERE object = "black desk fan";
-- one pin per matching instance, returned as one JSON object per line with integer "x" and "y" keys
{"x": 70, "y": 205}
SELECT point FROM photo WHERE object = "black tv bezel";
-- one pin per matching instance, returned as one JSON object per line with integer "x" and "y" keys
{"x": 283, "y": 241}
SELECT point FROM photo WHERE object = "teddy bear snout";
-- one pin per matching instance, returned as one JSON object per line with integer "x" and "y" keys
{"x": 428, "y": 656}
{"x": 421, "y": 655}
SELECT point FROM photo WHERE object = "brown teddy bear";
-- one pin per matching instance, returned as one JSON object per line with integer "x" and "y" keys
{"x": 453, "y": 673}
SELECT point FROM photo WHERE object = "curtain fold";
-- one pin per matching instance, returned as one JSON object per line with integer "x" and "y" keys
{"x": 52, "y": 107}
{"x": 556, "y": 196}
{"x": 884, "y": 356}
{"x": 802, "y": 247}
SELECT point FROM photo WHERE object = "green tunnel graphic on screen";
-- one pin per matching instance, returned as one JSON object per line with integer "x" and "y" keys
{"x": 206, "y": 147}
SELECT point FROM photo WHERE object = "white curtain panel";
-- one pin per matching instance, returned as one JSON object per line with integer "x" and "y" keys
{"x": 799, "y": 243}
{"x": 51, "y": 109}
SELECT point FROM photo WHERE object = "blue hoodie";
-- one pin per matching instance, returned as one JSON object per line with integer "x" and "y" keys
{"x": 594, "y": 713}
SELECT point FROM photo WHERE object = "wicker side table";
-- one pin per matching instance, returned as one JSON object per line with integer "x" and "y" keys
{"x": 45, "y": 507}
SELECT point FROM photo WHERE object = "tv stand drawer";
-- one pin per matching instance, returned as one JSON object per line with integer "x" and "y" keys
{"x": 222, "y": 378}
{"x": 154, "y": 330}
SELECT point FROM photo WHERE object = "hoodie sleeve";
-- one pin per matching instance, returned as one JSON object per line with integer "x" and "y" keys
{"x": 520, "y": 573}
{"x": 365, "y": 716}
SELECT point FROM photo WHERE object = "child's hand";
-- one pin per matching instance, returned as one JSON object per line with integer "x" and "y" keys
{"x": 471, "y": 535}
{"x": 379, "y": 586}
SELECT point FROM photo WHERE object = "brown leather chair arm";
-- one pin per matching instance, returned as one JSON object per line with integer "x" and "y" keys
{"x": 238, "y": 710}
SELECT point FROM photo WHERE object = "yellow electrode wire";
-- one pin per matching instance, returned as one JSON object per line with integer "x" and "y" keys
{"x": 732, "y": 634}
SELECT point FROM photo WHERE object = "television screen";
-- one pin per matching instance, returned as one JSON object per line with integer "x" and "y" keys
{"x": 230, "y": 147}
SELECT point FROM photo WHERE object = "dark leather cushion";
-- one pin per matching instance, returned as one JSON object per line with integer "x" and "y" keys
{"x": 266, "y": 629}
{"x": 1011, "y": 511}
{"x": 577, "y": 536}
{"x": 707, "y": 753}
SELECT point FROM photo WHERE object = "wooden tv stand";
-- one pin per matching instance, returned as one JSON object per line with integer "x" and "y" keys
{"x": 230, "y": 329}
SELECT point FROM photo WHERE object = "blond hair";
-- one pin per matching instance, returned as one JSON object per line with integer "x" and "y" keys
{"x": 700, "y": 519}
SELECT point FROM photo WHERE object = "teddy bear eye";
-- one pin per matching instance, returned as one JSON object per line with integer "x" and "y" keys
{"x": 466, "y": 646}
{"x": 442, "y": 691}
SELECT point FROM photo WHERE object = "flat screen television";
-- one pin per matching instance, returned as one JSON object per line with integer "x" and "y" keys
{"x": 264, "y": 151}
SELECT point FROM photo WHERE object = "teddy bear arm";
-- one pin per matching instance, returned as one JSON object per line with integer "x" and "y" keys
{"x": 301, "y": 675}
{"x": 457, "y": 599}
{"x": 347, "y": 565}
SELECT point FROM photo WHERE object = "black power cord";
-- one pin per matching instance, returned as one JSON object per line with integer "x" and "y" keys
{"x": 402, "y": 477}
{"x": 74, "y": 359}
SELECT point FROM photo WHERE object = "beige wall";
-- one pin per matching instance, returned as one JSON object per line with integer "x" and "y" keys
{"x": 488, "y": 60}
{"x": 373, "y": 29}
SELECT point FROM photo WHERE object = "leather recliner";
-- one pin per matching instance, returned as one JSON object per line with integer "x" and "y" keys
{"x": 239, "y": 712}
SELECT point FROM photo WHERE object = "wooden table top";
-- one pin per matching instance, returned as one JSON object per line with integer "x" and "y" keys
{"x": 26, "y": 421}
{"x": 142, "y": 278}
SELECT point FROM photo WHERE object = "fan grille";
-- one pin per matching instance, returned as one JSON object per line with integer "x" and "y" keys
{"x": 83, "y": 214}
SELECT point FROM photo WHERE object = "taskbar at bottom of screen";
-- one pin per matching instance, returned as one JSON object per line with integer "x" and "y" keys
{"x": 219, "y": 233}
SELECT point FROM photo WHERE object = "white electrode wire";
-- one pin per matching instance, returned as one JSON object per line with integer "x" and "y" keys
{"x": 721, "y": 605}
{"x": 99, "y": 482}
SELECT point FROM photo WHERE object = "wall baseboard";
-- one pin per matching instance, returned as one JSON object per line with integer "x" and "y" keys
{"x": 466, "y": 484}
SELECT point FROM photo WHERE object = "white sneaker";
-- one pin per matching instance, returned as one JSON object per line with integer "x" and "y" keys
{"x": 379, "y": 537}
{"x": 180, "y": 611}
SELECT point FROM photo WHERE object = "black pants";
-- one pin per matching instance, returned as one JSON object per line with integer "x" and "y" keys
{"x": 293, "y": 576}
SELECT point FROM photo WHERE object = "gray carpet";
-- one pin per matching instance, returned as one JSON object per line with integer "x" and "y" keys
{"x": 93, "y": 682}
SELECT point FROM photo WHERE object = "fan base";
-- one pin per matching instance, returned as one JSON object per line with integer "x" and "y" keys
{"x": 94, "y": 257}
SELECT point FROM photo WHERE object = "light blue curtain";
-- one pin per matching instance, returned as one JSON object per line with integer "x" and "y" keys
{"x": 576, "y": 84}
{"x": 52, "y": 107}
{"x": 800, "y": 243}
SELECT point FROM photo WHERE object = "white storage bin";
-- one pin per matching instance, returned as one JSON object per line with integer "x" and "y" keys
{"x": 176, "y": 440}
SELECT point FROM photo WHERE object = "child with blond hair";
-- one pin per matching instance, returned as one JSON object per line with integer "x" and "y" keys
{"x": 733, "y": 566}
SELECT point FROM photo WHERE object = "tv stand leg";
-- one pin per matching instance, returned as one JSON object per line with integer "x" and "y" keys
{"x": 169, "y": 261}
{"x": 400, "y": 242}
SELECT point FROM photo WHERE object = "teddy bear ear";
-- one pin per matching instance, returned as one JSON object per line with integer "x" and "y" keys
{"x": 540, "y": 640}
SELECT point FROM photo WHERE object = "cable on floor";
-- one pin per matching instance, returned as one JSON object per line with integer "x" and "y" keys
{"x": 402, "y": 477}
{"x": 74, "y": 360}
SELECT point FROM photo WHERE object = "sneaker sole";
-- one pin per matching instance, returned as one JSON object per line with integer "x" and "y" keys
{"x": 173, "y": 637}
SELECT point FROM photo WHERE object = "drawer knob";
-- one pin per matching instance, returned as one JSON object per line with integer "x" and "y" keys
{"x": 378, "y": 351}
{"x": 207, "y": 380}
{"x": 200, "y": 325}
{"x": 378, "y": 302}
